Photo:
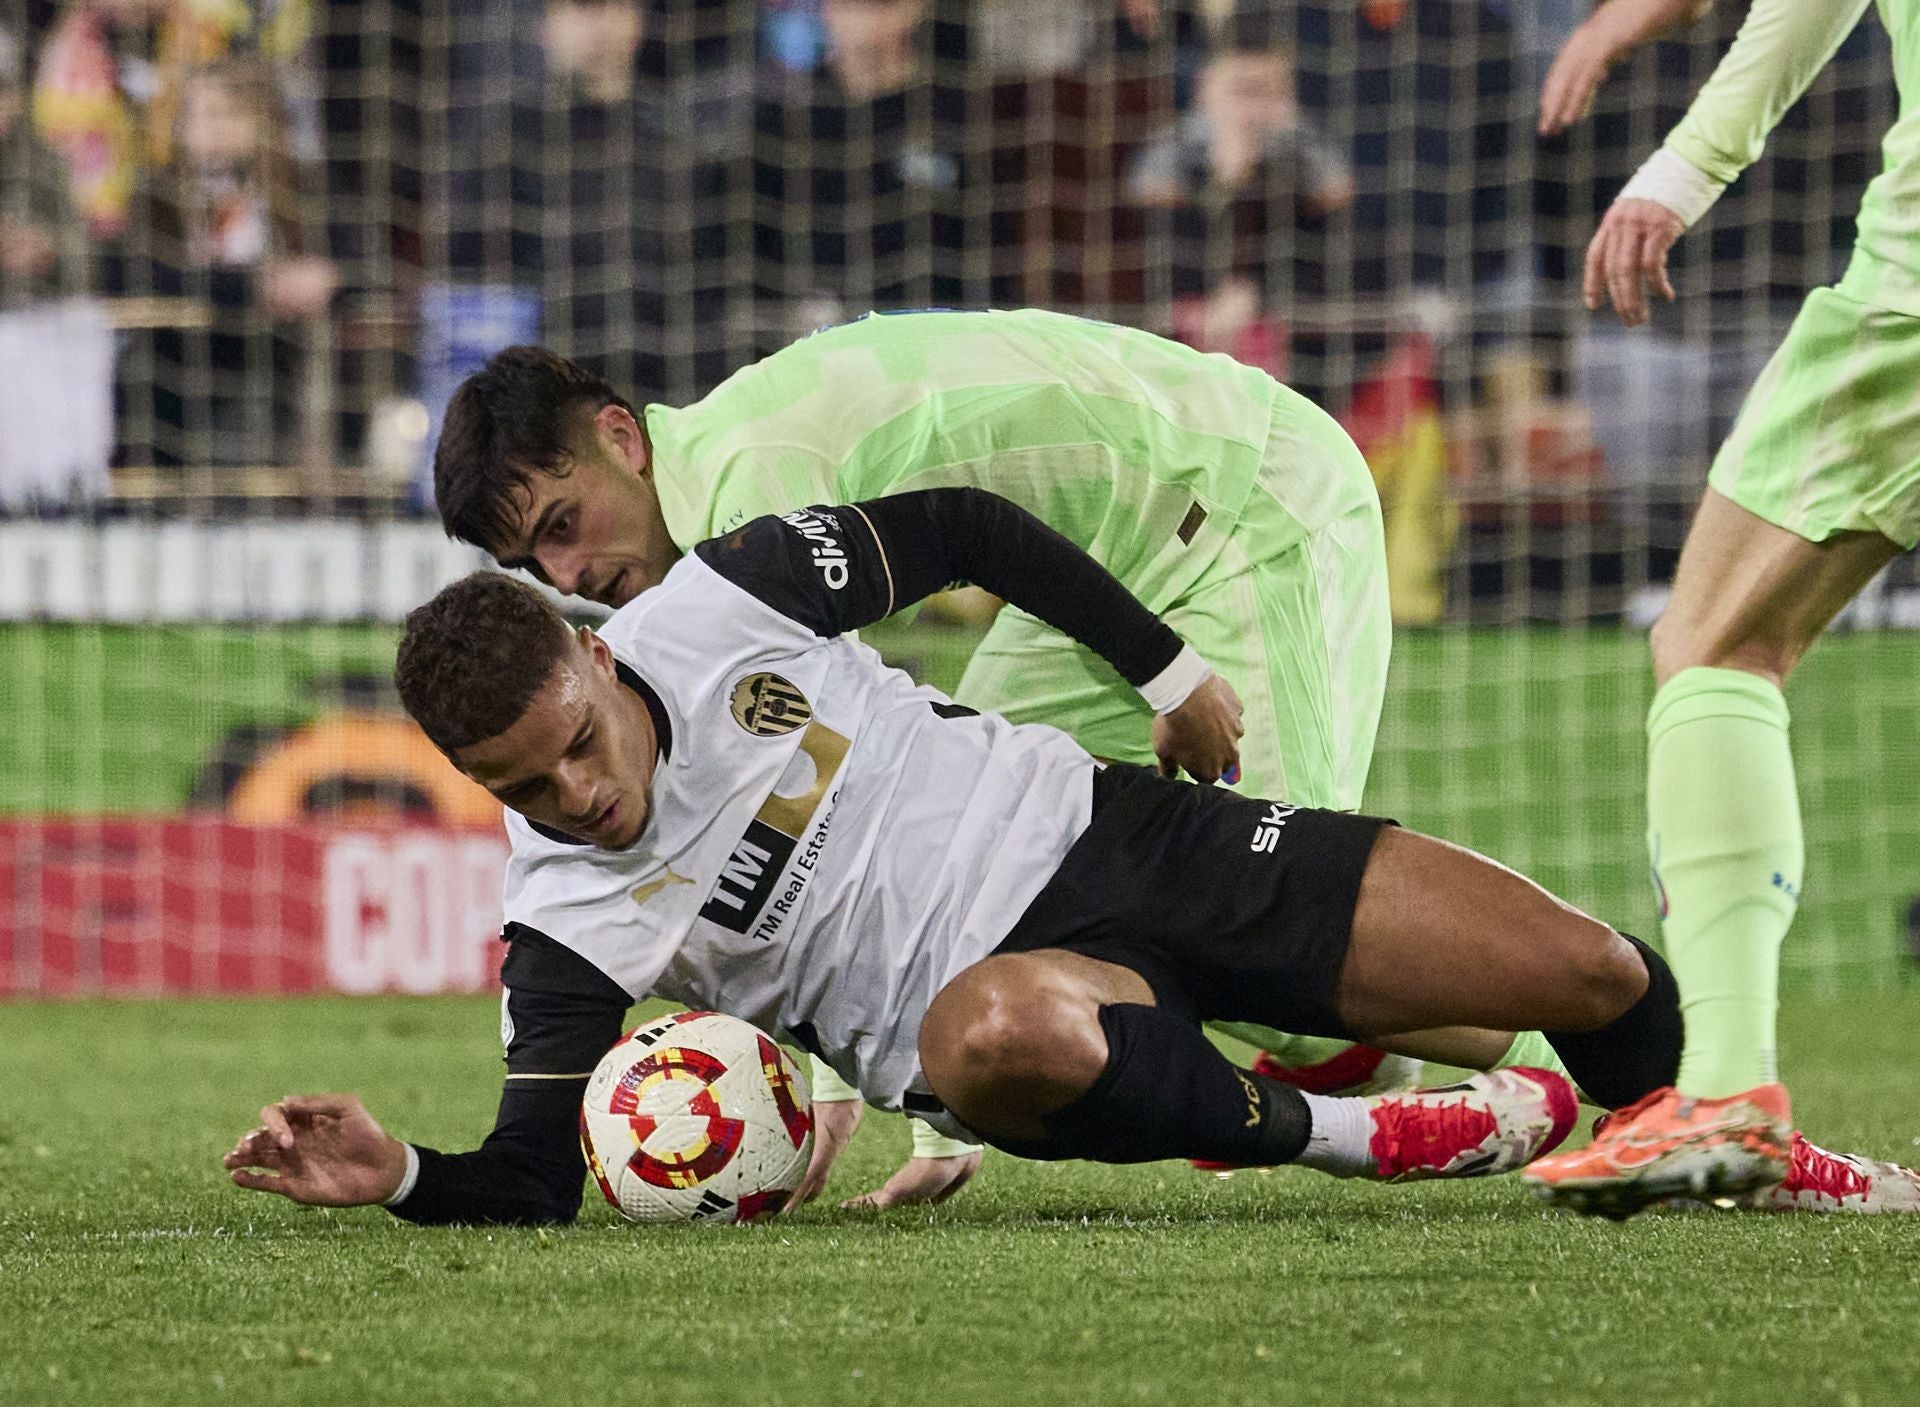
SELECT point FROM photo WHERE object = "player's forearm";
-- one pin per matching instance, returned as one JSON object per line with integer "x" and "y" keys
{"x": 1631, "y": 23}
{"x": 1782, "y": 44}
{"x": 938, "y": 536}
{"x": 529, "y": 1170}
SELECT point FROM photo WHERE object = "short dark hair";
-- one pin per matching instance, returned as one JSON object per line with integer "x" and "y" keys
{"x": 473, "y": 657}
{"x": 517, "y": 414}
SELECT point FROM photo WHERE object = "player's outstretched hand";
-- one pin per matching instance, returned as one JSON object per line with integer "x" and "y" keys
{"x": 834, "y": 1121}
{"x": 1202, "y": 736}
{"x": 324, "y": 1150}
{"x": 1578, "y": 69}
{"x": 1627, "y": 255}
{"x": 1608, "y": 35}
{"x": 920, "y": 1180}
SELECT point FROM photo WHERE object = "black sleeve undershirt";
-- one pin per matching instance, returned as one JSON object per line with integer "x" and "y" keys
{"x": 837, "y": 569}
{"x": 566, "y": 1014}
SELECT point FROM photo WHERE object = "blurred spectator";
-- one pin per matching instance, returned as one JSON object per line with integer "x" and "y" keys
{"x": 1032, "y": 38}
{"x": 238, "y": 195}
{"x": 227, "y": 230}
{"x": 860, "y": 169}
{"x": 84, "y": 110}
{"x": 1249, "y": 182}
{"x": 593, "y": 43}
{"x": 1244, "y": 127}
{"x": 43, "y": 242}
{"x": 641, "y": 153}
{"x": 110, "y": 76}
{"x": 1437, "y": 119}
{"x": 872, "y": 47}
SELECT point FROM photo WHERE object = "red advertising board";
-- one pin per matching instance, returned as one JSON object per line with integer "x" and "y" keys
{"x": 137, "y": 906}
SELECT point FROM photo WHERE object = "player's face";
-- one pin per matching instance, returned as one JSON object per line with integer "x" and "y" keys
{"x": 580, "y": 760}
{"x": 595, "y": 531}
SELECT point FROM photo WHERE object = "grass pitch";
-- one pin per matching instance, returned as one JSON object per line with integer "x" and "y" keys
{"x": 131, "y": 1273}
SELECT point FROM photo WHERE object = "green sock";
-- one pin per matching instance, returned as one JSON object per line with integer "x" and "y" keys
{"x": 1723, "y": 832}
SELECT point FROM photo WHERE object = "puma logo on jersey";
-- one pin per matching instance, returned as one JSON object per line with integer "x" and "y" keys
{"x": 644, "y": 892}
{"x": 1266, "y": 835}
{"x": 825, "y": 548}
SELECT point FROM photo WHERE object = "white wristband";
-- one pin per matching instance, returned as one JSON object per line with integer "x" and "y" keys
{"x": 408, "y": 1178}
{"x": 1668, "y": 178}
{"x": 1170, "y": 688}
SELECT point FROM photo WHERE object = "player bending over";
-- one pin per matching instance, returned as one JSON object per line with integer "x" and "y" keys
{"x": 1230, "y": 505}
{"x": 722, "y": 800}
{"x": 1815, "y": 490}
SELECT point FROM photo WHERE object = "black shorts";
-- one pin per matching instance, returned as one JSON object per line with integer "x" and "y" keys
{"x": 1232, "y": 908}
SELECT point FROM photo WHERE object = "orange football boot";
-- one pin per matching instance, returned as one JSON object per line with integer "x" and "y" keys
{"x": 1668, "y": 1144}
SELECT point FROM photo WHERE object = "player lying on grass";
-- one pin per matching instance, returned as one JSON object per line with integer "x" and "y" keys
{"x": 1816, "y": 489}
{"x": 1230, "y": 505}
{"x": 721, "y": 800}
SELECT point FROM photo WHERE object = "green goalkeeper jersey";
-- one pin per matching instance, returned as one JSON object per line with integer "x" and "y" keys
{"x": 1141, "y": 450}
{"x": 1781, "y": 46}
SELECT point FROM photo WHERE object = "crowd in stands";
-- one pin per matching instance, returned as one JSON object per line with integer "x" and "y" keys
{"x": 266, "y": 192}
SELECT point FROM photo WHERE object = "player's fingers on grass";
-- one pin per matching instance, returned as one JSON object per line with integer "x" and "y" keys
{"x": 275, "y": 1124}
{"x": 260, "y": 1182}
{"x": 254, "y": 1150}
{"x": 322, "y": 1106}
{"x": 810, "y": 1186}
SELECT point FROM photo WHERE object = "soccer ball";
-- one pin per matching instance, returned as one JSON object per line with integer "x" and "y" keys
{"x": 696, "y": 1117}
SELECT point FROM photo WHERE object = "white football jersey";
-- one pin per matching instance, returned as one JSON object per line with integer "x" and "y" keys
{"x": 828, "y": 843}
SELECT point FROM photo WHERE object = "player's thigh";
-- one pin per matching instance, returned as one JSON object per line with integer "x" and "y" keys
{"x": 1816, "y": 488}
{"x": 1749, "y": 594}
{"x": 1303, "y": 635}
{"x": 1028, "y": 672}
{"x": 1442, "y": 936}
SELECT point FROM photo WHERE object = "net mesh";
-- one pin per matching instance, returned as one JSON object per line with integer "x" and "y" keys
{"x": 289, "y": 229}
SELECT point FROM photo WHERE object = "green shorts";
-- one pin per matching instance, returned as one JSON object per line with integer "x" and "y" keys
{"x": 1292, "y": 612}
{"x": 1828, "y": 440}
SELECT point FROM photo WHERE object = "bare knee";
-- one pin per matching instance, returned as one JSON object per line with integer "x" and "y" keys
{"x": 1008, "y": 1041}
{"x": 990, "y": 1023}
{"x": 1605, "y": 979}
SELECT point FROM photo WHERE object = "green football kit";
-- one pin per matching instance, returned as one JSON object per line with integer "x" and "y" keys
{"x": 1829, "y": 438}
{"x": 1828, "y": 441}
{"x": 1230, "y": 505}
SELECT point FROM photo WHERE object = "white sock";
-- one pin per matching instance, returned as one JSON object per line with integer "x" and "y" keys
{"x": 1342, "y": 1136}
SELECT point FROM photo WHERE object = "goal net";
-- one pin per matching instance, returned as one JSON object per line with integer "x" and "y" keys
{"x": 246, "y": 252}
